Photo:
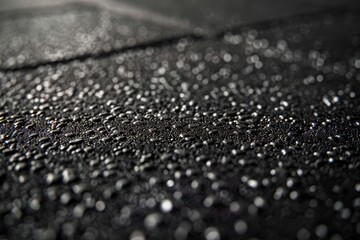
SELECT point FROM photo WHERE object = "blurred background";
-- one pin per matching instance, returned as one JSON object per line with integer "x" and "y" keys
{"x": 39, "y": 31}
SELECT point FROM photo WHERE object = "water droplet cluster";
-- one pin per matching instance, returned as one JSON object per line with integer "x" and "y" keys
{"x": 254, "y": 134}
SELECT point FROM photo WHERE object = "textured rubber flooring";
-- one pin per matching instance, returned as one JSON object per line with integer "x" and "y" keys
{"x": 252, "y": 134}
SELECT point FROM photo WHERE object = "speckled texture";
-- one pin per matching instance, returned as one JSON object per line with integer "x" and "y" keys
{"x": 254, "y": 135}
{"x": 67, "y": 32}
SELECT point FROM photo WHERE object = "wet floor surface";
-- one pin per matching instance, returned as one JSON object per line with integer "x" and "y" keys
{"x": 251, "y": 132}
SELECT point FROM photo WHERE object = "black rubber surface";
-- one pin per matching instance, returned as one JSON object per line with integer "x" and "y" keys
{"x": 252, "y": 134}
{"x": 71, "y": 31}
